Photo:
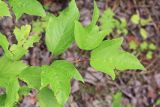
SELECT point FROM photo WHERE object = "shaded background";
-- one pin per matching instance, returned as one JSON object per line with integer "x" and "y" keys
{"x": 139, "y": 88}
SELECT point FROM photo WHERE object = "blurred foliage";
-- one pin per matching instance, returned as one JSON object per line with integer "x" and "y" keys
{"x": 143, "y": 46}
{"x": 117, "y": 100}
{"x": 141, "y": 23}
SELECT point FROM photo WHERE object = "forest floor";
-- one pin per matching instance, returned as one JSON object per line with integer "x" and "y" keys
{"x": 139, "y": 88}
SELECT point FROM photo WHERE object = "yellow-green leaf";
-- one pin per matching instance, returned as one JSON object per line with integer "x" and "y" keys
{"x": 4, "y": 10}
{"x": 46, "y": 98}
{"x": 109, "y": 57}
{"x": 31, "y": 7}
{"x": 144, "y": 33}
{"x": 89, "y": 37}
{"x": 108, "y": 22}
{"x": 135, "y": 19}
{"x": 58, "y": 75}
{"x": 60, "y": 30}
{"x": 32, "y": 76}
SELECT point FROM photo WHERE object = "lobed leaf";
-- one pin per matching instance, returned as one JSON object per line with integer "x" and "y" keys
{"x": 58, "y": 76}
{"x": 16, "y": 51}
{"x": 108, "y": 57}
{"x": 22, "y": 33}
{"x": 89, "y": 37}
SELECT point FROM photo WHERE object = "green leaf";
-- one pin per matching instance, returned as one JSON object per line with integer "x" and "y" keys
{"x": 123, "y": 23}
{"x": 58, "y": 76}
{"x": 40, "y": 25}
{"x": 4, "y": 42}
{"x": 23, "y": 91}
{"x": 60, "y": 30}
{"x": 23, "y": 38}
{"x": 149, "y": 55}
{"x": 145, "y": 22}
{"x": 133, "y": 45}
{"x": 2, "y": 100}
{"x": 46, "y": 98}
{"x": 158, "y": 102}
{"x": 22, "y": 33}
{"x": 144, "y": 33}
{"x": 108, "y": 57}
{"x": 122, "y": 27}
{"x": 31, "y": 7}
{"x": 135, "y": 19}
{"x": 12, "y": 92}
{"x": 71, "y": 71}
{"x": 89, "y": 37}
{"x": 8, "y": 68}
{"x": 129, "y": 105}
{"x": 16, "y": 51}
{"x": 30, "y": 41}
{"x": 143, "y": 46}
{"x": 95, "y": 16}
{"x": 152, "y": 46}
{"x": 108, "y": 23}
{"x": 32, "y": 76}
{"x": 117, "y": 98}
{"x": 4, "y": 10}
{"x": 8, "y": 80}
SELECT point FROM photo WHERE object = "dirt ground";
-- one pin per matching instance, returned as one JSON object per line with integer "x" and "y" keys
{"x": 139, "y": 88}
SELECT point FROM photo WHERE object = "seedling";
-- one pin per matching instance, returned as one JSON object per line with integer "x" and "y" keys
{"x": 137, "y": 20}
{"x": 144, "y": 46}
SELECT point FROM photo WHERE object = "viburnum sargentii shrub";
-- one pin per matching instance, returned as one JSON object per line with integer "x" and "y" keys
{"x": 52, "y": 82}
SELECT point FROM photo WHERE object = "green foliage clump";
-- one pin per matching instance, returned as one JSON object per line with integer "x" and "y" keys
{"x": 52, "y": 82}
